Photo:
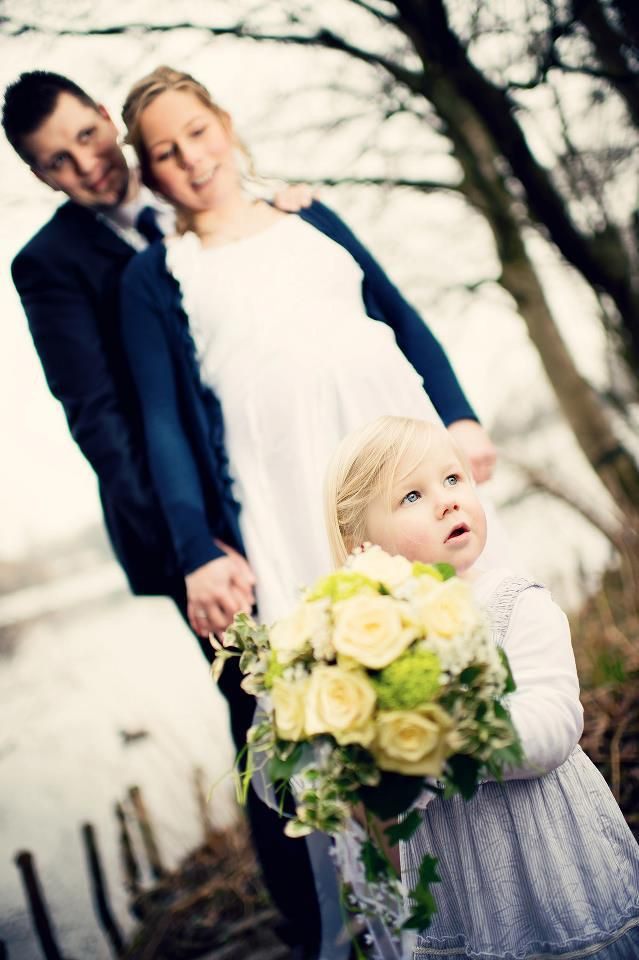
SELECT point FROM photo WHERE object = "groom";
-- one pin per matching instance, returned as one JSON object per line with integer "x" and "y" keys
{"x": 67, "y": 276}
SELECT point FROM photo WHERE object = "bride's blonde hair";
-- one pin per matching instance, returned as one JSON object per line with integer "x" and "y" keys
{"x": 146, "y": 90}
{"x": 362, "y": 468}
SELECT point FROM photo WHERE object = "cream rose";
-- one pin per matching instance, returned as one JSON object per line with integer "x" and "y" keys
{"x": 372, "y": 629}
{"x": 412, "y": 741}
{"x": 381, "y": 566}
{"x": 308, "y": 624}
{"x": 289, "y": 702}
{"x": 340, "y": 702}
{"x": 447, "y": 610}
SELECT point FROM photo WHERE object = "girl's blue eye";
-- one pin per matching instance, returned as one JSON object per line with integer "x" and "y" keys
{"x": 451, "y": 480}
{"x": 411, "y": 497}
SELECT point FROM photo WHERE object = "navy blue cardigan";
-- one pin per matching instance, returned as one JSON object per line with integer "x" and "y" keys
{"x": 183, "y": 421}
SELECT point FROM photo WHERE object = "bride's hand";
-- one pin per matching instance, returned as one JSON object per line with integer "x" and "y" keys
{"x": 217, "y": 591}
{"x": 477, "y": 446}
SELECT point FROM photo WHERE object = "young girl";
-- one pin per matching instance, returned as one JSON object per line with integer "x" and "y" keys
{"x": 542, "y": 865}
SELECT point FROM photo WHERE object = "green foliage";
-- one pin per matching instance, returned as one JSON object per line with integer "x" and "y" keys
{"x": 510, "y": 684}
{"x": 376, "y": 866}
{"x": 446, "y": 570}
{"x": 470, "y": 674}
{"x": 408, "y": 682}
{"x": 403, "y": 829}
{"x": 464, "y": 771}
{"x": 609, "y": 668}
{"x": 283, "y": 762}
{"x": 423, "y": 901}
{"x": 343, "y": 585}
{"x": 394, "y": 794}
{"x": 426, "y": 570}
{"x": 273, "y": 671}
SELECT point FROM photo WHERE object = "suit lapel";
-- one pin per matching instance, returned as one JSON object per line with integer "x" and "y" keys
{"x": 102, "y": 236}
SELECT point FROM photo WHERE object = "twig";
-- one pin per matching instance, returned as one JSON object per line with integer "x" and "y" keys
{"x": 100, "y": 897}
{"x": 131, "y": 868}
{"x": 148, "y": 837}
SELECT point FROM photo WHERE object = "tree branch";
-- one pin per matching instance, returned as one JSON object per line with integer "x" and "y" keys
{"x": 540, "y": 480}
{"x": 322, "y": 38}
{"x": 425, "y": 186}
{"x": 384, "y": 17}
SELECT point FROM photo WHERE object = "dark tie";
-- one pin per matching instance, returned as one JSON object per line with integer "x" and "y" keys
{"x": 147, "y": 224}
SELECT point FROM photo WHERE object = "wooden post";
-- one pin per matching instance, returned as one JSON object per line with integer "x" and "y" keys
{"x": 98, "y": 887}
{"x": 37, "y": 906}
{"x": 131, "y": 868}
{"x": 148, "y": 837}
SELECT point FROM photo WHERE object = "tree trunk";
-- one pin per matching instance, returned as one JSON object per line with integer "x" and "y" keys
{"x": 486, "y": 189}
{"x": 602, "y": 259}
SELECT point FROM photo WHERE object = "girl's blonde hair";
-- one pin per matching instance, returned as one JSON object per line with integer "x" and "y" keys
{"x": 362, "y": 468}
{"x": 146, "y": 90}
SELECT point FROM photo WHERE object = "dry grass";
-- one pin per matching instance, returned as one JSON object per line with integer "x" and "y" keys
{"x": 214, "y": 905}
{"x": 606, "y": 640}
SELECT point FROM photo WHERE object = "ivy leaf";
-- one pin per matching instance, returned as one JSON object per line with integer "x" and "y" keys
{"x": 423, "y": 901}
{"x": 375, "y": 864}
{"x": 447, "y": 571}
{"x": 464, "y": 774}
{"x": 404, "y": 829}
{"x": 469, "y": 674}
{"x": 510, "y": 684}
{"x": 283, "y": 768}
{"x": 394, "y": 793}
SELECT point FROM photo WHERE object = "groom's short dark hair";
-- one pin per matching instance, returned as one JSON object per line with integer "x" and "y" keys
{"x": 31, "y": 100}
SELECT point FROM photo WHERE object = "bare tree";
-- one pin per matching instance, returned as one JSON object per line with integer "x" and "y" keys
{"x": 426, "y": 55}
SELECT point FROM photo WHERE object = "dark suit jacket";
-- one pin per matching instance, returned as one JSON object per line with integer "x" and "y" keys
{"x": 68, "y": 278}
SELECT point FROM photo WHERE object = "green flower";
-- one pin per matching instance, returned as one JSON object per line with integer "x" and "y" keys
{"x": 439, "y": 571}
{"x": 426, "y": 569}
{"x": 273, "y": 671}
{"x": 408, "y": 682}
{"x": 343, "y": 585}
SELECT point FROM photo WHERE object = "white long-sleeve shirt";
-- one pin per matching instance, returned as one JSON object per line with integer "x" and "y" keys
{"x": 545, "y": 707}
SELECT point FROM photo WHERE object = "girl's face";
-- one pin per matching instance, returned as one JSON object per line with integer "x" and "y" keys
{"x": 433, "y": 514}
{"x": 191, "y": 151}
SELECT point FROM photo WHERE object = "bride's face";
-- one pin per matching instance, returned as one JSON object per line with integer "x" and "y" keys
{"x": 191, "y": 151}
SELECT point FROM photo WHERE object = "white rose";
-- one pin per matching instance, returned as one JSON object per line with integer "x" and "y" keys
{"x": 448, "y": 610}
{"x": 340, "y": 702}
{"x": 308, "y": 624}
{"x": 412, "y": 741}
{"x": 374, "y": 563}
{"x": 289, "y": 705}
{"x": 372, "y": 629}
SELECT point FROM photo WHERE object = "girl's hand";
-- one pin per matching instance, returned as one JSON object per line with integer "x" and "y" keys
{"x": 217, "y": 591}
{"x": 477, "y": 446}
{"x": 291, "y": 199}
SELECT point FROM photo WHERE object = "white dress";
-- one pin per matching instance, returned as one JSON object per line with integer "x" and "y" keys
{"x": 542, "y": 865}
{"x": 283, "y": 339}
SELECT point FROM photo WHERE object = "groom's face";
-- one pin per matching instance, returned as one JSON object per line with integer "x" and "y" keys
{"x": 76, "y": 150}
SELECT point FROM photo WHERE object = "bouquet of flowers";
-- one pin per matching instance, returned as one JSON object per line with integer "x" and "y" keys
{"x": 384, "y": 682}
